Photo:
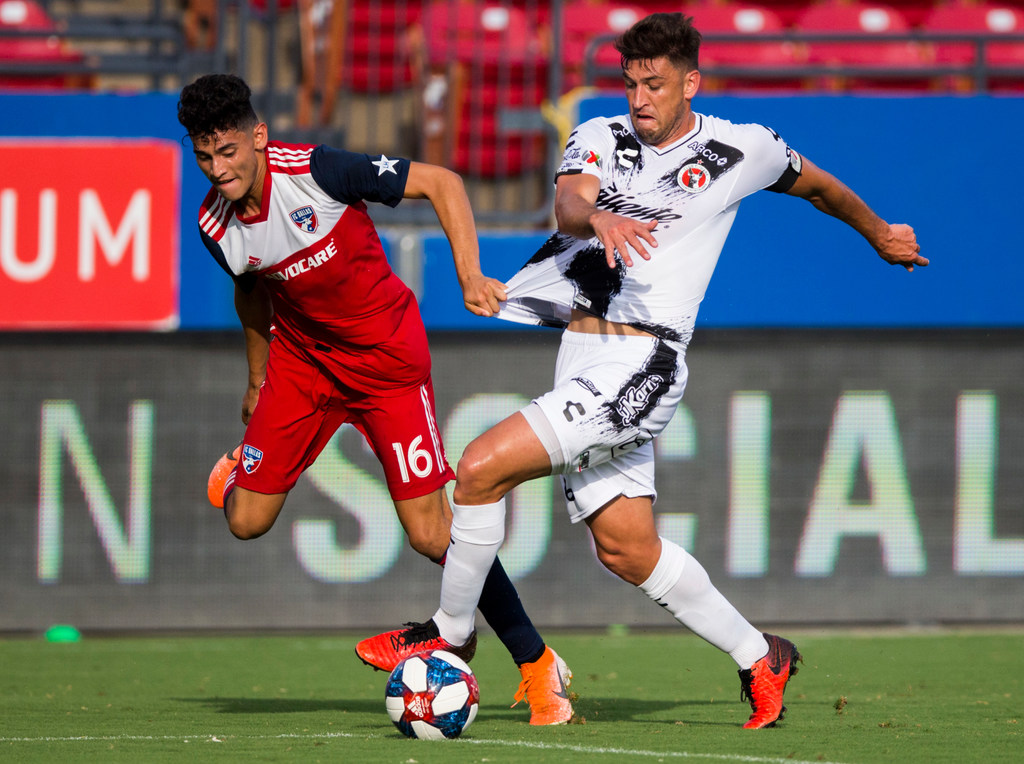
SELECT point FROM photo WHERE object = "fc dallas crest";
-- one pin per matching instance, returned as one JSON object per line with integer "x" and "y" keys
{"x": 305, "y": 219}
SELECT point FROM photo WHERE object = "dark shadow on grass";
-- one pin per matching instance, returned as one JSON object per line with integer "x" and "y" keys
{"x": 616, "y": 709}
{"x": 594, "y": 709}
{"x": 222, "y": 705}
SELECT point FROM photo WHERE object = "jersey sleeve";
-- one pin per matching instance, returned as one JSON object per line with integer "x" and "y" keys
{"x": 350, "y": 177}
{"x": 780, "y": 159}
{"x": 589, "y": 145}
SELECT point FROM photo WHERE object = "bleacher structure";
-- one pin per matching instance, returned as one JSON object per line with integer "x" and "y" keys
{"x": 466, "y": 83}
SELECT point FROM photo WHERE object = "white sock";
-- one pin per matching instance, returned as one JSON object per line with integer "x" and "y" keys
{"x": 681, "y": 585}
{"x": 477, "y": 533}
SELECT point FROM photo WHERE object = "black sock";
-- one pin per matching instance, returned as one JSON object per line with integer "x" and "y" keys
{"x": 501, "y": 608}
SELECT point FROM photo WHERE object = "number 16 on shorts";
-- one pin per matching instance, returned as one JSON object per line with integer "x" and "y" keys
{"x": 415, "y": 458}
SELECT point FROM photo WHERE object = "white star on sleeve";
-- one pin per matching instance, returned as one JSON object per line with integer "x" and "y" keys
{"x": 385, "y": 165}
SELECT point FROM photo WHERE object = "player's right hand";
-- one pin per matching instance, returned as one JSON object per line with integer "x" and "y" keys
{"x": 483, "y": 295}
{"x": 901, "y": 247}
{"x": 620, "y": 234}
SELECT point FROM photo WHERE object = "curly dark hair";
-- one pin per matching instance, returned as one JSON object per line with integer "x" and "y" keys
{"x": 215, "y": 103}
{"x": 661, "y": 34}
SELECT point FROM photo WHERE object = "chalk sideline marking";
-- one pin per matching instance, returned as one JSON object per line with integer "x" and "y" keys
{"x": 592, "y": 750}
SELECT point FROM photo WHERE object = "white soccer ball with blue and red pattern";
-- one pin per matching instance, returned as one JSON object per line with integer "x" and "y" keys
{"x": 432, "y": 696}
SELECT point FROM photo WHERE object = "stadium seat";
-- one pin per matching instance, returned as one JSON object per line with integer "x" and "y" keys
{"x": 377, "y": 56}
{"x": 475, "y": 58}
{"x": 264, "y": 5}
{"x": 767, "y": 56}
{"x": 582, "y": 21}
{"x": 358, "y": 45}
{"x": 867, "y": 63}
{"x": 41, "y": 45}
{"x": 973, "y": 19}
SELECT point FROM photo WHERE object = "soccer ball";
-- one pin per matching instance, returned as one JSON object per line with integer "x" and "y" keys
{"x": 432, "y": 696}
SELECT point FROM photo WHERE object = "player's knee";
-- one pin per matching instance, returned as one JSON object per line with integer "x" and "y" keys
{"x": 612, "y": 559}
{"x": 430, "y": 542}
{"x": 246, "y": 530}
{"x": 627, "y": 561}
{"x": 476, "y": 478}
{"x": 247, "y": 525}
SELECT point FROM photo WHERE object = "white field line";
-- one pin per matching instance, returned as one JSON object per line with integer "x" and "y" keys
{"x": 584, "y": 749}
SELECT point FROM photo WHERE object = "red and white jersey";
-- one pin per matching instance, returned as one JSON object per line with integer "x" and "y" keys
{"x": 317, "y": 250}
{"x": 692, "y": 187}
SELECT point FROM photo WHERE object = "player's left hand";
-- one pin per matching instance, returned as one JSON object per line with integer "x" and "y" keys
{"x": 901, "y": 247}
{"x": 249, "y": 401}
{"x": 483, "y": 295}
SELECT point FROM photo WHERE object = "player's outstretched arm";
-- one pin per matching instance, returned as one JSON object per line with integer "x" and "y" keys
{"x": 447, "y": 194}
{"x": 894, "y": 243}
{"x": 577, "y": 215}
{"x": 256, "y": 313}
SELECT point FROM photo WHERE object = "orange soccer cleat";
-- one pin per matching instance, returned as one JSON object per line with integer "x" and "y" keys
{"x": 387, "y": 650}
{"x": 545, "y": 686}
{"x": 219, "y": 476}
{"x": 763, "y": 683}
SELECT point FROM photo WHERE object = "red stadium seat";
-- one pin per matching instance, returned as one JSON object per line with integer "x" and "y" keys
{"x": 377, "y": 57}
{"x": 36, "y": 49}
{"x": 264, "y": 5}
{"x": 582, "y": 21}
{"x": 961, "y": 17}
{"x": 870, "y": 56}
{"x": 477, "y": 57}
{"x": 751, "y": 20}
{"x": 359, "y": 45}
{"x": 488, "y": 32}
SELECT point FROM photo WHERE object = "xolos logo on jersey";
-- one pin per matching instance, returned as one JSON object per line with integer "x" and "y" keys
{"x": 251, "y": 458}
{"x": 693, "y": 177}
{"x": 305, "y": 219}
{"x": 711, "y": 160}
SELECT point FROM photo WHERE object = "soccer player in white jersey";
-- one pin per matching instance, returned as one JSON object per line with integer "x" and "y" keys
{"x": 333, "y": 336}
{"x": 643, "y": 203}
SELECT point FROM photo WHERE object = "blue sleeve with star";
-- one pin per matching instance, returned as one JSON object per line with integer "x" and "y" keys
{"x": 350, "y": 177}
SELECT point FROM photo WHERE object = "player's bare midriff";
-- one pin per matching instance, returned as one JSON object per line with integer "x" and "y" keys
{"x": 586, "y": 323}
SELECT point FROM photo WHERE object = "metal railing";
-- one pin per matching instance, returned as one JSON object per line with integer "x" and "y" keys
{"x": 979, "y": 72}
{"x": 144, "y": 45}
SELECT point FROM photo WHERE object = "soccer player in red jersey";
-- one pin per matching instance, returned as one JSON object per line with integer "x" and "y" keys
{"x": 333, "y": 336}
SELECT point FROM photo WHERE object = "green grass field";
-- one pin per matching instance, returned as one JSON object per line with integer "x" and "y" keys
{"x": 944, "y": 696}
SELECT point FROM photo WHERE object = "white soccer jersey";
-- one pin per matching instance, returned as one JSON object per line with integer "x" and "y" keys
{"x": 692, "y": 188}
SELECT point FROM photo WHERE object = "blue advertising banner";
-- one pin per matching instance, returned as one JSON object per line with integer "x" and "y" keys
{"x": 910, "y": 159}
{"x": 785, "y": 264}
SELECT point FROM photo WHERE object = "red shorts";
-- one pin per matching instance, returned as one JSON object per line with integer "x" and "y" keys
{"x": 300, "y": 408}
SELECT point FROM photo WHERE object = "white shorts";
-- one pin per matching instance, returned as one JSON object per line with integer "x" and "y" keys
{"x": 613, "y": 394}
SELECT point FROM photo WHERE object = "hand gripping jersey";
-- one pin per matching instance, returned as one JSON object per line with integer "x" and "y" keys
{"x": 692, "y": 188}
{"x": 334, "y": 295}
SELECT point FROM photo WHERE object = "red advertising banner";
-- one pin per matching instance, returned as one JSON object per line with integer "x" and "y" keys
{"x": 89, "y": 234}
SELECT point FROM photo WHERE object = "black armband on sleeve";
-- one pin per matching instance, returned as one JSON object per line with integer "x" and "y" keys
{"x": 790, "y": 175}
